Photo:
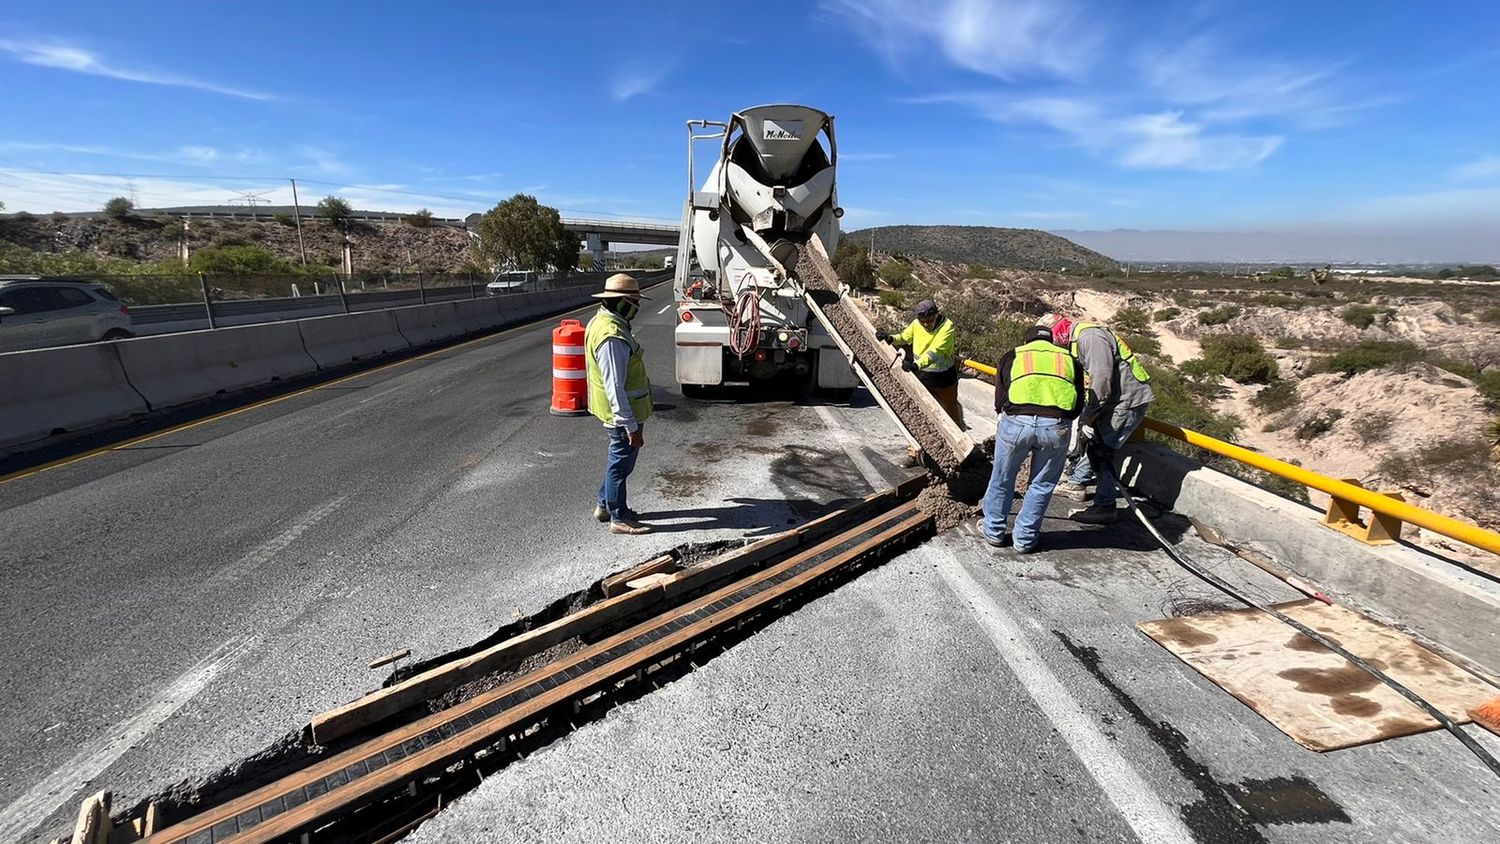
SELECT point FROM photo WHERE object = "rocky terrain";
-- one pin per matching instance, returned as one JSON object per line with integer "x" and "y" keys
{"x": 157, "y": 239}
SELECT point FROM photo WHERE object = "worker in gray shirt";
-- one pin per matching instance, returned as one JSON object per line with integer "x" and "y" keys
{"x": 1116, "y": 399}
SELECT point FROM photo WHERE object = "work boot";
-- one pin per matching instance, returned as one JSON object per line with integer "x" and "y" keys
{"x": 1099, "y": 514}
{"x": 628, "y": 527}
{"x": 1002, "y": 542}
{"x": 1076, "y": 492}
{"x": 600, "y": 514}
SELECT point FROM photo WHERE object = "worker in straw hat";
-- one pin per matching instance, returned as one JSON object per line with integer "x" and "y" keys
{"x": 619, "y": 395}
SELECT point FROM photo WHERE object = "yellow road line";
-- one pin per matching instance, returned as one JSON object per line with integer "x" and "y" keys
{"x": 125, "y": 444}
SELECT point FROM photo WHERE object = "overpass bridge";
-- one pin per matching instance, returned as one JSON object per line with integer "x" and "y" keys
{"x": 209, "y": 584}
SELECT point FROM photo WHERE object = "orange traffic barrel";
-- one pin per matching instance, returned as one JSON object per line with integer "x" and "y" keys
{"x": 570, "y": 386}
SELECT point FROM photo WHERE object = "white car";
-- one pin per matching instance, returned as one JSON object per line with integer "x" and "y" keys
{"x": 512, "y": 282}
{"x": 39, "y": 312}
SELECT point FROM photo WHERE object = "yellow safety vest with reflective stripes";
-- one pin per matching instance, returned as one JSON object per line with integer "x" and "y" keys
{"x": 933, "y": 351}
{"x": 1042, "y": 374}
{"x": 1136, "y": 367}
{"x": 604, "y": 326}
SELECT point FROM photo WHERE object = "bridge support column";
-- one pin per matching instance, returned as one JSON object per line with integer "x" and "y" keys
{"x": 596, "y": 249}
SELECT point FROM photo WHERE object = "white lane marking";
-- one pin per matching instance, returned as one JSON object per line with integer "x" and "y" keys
{"x": 63, "y": 785}
{"x": 1151, "y": 818}
{"x": 667, "y": 307}
{"x": 847, "y": 442}
{"x": 264, "y": 552}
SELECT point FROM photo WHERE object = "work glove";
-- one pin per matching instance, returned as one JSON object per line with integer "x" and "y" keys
{"x": 909, "y": 363}
{"x": 884, "y": 337}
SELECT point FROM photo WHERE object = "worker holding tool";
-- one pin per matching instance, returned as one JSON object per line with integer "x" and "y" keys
{"x": 1038, "y": 393}
{"x": 619, "y": 395}
{"x": 932, "y": 355}
{"x": 1118, "y": 395}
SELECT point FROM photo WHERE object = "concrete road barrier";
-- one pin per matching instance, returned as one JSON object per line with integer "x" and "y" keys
{"x": 66, "y": 388}
{"x": 423, "y": 325}
{"x": 176, "y": 368}
{"x": 338, "y": 340}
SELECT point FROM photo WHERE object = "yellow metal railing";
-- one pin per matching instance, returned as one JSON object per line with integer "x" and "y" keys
{"x": 1341, "y": 491}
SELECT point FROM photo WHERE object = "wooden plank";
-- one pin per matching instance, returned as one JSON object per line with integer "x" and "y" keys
{"x": 649, "y": 580}
{"x": 451, "y": 750}
{"x": 893, "y": 525}
{"x": 376, "y": 706}
{"x": 92, "y": 826}
{"x": 615, "y": 584}
{"x": 1318, "y": 698}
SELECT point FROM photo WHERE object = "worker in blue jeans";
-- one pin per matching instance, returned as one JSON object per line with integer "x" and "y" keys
{"x": 1119, "y": 394}
{"x": 1038, "y": 393}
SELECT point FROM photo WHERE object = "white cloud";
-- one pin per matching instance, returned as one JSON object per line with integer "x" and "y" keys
{"x": 1145, "y": 141}
{"x": 191, "y": 154}
{"x": 1482, "y": 169}
{"x": 199, "y": 154}
{"x": 1006, "y": 39}
{"x": 1205, "y": 72}
{"x": 64, "y": 56}
{"x": 635, "y": 81}
{"x": 323, "y": 159}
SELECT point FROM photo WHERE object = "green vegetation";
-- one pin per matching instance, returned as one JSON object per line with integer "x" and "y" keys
{"x": 337, "y": 211}
{"x": 419, "y": 219}
{"x": 1362, "y": 316}
{"x": 1145, "y": 344}
{"x": 1372, "y": 428}
{"x": 237, "y": 260}
{"x": 1238, "y": 357}
{"x": 523, "y": 234}
{"x": 1469, "y": 271}
{"x": 1178, "y": 401}
{"x": 1468, "y": 456}
{"x": 984, "y": 333}
{"x": 896, "y": 272}
{"x": 118, "y": 208}
{"x": 1276, "y": 396}
{"x": 852, "y": 262}
{"x": 1319, "y": 424}
{"x": 893, "y": 299}
{"x": 978, "y": 271}
{"x": 1168, "y": 313}
{"x": 1220, "y": 315}
{"x": 1132, "y": 320}
{"x": 282, "y": 218}
{"x": 1370, "y": 354}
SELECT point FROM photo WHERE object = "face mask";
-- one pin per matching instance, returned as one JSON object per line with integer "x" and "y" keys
{"x": 628, "y": 309}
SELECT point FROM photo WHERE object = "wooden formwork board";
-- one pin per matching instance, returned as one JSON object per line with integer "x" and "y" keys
{"x": 1318, "y": 698}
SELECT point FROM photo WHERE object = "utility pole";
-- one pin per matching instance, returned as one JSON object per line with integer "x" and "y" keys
{"x": 297, "y": 215}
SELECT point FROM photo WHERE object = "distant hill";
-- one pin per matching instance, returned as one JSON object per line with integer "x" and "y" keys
{"x": 1027, "y": 249}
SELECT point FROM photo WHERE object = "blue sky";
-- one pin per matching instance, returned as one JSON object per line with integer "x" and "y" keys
{"x": 1064, "y": 114}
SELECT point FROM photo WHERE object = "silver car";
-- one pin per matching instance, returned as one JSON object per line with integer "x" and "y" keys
{"x": 37, "y": 312}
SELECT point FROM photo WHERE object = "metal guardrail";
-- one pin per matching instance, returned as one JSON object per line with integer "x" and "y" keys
{"x": 1341, "y": 491}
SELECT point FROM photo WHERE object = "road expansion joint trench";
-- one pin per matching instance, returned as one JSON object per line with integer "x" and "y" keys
{"x": 381, "y": 764}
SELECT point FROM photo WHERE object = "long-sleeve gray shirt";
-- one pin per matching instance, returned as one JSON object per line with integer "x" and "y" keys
{"x": 613, "y": 356}
{"x": 1110, "y": 378}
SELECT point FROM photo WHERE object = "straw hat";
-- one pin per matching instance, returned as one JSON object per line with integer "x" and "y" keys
{"x": 621, "y": 286}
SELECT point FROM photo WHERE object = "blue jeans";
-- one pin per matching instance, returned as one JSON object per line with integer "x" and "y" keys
{"x": 1046, "y": 442}
{"x": 1113, "y": 430}
{"x": 617, "y": 468}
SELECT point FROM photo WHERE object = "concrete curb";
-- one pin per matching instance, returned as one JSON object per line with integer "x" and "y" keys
{"x": 338, "y": 340}
{"x": 177, "y": 368}
{"x": 1400, "y": 585}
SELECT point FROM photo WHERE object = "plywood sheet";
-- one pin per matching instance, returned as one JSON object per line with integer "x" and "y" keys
{"x": 1320, "y": 699}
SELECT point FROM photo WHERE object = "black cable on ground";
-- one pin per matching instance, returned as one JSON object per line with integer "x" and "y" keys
{"x": 1213, "y": 580}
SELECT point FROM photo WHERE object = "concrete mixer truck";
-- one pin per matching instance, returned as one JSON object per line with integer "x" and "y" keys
{"x": 742, "y": 315}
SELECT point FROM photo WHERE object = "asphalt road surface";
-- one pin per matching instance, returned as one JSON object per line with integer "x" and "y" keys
{"x": 175, "y": 606}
